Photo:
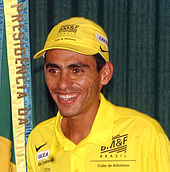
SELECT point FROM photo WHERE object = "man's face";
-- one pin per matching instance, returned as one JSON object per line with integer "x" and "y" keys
{"x": 73, "y": 81}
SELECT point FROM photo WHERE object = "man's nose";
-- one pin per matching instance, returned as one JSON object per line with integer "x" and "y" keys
{"x": 64, "y": 81}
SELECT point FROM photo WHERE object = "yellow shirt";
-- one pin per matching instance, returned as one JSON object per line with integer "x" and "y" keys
{"x": 121, "y": 140}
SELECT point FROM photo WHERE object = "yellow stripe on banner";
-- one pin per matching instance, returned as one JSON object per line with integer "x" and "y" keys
{"x": 13, "y": 15}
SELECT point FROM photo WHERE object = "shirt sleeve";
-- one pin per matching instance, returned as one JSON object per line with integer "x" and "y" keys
{"x": 31, "y": 156}
{"x": 159, "y": 154}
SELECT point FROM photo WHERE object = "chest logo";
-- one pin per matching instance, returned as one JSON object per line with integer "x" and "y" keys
{"x": 37, "y": 148}
{"x": 118, "y": 145}
{"x": 43, "y": 155}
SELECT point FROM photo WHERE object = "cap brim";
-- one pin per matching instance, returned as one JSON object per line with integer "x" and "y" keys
{"x": 76, "y": 48}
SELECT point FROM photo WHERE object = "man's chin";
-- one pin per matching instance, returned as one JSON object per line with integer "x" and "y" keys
{"x": 67, "y": 113}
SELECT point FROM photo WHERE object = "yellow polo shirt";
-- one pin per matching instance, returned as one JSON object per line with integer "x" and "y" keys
{"x": 121, "y": 140}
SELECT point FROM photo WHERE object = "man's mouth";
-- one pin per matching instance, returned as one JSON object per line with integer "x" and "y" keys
{"x": 67, "y": 97}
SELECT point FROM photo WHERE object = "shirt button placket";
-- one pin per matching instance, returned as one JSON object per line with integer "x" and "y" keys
{"x": 74, "y": 162}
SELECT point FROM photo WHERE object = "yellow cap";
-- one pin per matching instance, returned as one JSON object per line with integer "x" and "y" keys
{"x": 79, "y": 35}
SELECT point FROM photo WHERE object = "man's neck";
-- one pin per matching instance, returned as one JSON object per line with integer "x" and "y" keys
{"x": 78, "y": 127}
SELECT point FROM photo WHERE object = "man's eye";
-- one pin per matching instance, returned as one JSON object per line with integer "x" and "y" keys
{"x": 53, "y": 70}
{"x": 77, "y": 70}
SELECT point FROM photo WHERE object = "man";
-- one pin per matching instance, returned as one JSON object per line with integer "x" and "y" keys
{"x": 89, "y": 134}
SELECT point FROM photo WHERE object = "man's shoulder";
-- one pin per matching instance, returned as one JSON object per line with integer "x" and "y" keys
{"x": 138, "y": 119}
{"x": 46, "y": 122}
{"x": 43, "y": 128}
{"x": 131, "y": 118}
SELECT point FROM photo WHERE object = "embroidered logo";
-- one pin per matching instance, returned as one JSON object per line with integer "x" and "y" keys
{"x": 102, "y": 39}
{"x": 102, "y": 49}
{"x": 68, "y": 29}
{"x": 43, "y": 155}
{"x": 37, "y": 148}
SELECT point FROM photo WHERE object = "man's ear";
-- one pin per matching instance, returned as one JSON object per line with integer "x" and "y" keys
{"x": 106, "y": 73}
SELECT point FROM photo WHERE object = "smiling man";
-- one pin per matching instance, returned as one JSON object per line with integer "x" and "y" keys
{"x": 89, "y": 134}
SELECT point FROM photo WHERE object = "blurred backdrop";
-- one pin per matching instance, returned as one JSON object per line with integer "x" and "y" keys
{"x": 139, "y": 46}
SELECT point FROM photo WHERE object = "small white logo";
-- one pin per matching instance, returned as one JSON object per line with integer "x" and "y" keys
{"x": 43, "y": 155}
{"x": 102, "y": 39}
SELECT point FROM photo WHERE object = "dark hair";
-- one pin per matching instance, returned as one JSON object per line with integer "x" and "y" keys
{"x": 100, "y": 61}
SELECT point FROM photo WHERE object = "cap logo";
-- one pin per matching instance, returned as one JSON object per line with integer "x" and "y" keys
{"x": 67, "y": 29}
{"x": 103, "y": 50}
{"x": 102, "y": 39}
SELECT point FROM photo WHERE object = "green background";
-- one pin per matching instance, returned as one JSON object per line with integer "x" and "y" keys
{"x": 139, "y": 44}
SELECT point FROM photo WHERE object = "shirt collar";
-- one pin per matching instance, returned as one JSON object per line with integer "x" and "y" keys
{"x": 101, "y": 130}
{"x": 103, "y": 124}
